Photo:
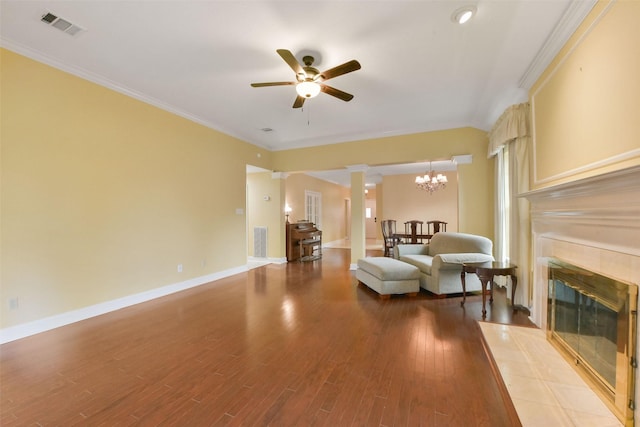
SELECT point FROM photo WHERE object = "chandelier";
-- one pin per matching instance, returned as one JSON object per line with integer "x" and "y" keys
{"x": 431, "y": 182}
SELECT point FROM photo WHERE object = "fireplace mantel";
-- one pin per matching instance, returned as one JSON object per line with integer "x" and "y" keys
{"x": 617, "y": 180}
{"x": 592, "y": 223}
{"x": 603, "y": 210}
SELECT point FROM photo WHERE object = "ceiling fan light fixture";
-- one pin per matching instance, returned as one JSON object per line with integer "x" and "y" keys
{"x": 308, "y": 89}
{"x": 464, "y": 14}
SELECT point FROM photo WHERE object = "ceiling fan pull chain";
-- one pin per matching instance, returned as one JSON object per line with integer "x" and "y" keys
{"x": 302, "y": 110}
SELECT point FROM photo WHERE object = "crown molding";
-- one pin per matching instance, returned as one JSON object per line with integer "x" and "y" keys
{"x": 576, "y": 12}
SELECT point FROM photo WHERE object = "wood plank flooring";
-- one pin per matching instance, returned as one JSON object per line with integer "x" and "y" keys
{"x": 298, "y": 344}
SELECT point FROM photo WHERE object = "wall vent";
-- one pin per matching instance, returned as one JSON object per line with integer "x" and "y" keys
{"x": 260, "y": 242}
{"x": 61, "y": 24}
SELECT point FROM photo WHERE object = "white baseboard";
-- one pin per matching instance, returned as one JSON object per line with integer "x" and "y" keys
{"x": 31, "y": 328}
{"x": 268, "y": 260}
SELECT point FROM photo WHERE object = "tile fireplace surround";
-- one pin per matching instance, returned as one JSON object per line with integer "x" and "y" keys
{"x": 593, "y": 223}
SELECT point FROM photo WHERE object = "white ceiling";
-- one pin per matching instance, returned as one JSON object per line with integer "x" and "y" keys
{"x": 420, "y": 71}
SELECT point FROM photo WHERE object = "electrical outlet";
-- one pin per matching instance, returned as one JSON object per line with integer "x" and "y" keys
{"x": 179, "y": 268}
{"x": 14, "y": 303}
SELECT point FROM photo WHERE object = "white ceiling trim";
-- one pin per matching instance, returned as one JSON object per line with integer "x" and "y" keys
{"x": 575, "y": 14}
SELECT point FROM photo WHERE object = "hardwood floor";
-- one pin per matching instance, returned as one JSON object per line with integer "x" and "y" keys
{"x": 285, "y": 345}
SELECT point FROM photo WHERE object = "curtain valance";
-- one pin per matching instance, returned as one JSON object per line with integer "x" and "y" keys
{"x": 512, "y": 124}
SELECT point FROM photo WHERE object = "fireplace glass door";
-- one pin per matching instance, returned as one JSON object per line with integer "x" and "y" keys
{"x": 589, "y": 327}
{"x": 592, "y": 320}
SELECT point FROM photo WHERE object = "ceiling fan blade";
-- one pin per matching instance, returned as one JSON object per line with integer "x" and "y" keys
{"x": 345, "y": 68}
{"x": 299, "y": 102}
{"x": 272, "y": 84}
{"x": 292, "y": 62}
{"x": 336, "y": 92}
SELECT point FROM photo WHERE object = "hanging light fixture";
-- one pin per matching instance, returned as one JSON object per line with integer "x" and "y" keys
{"x": 431, "y": 182}
{"x": 308, "y": 89}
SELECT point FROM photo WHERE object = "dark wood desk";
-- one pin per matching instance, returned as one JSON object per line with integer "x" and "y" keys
{"x": 412, "y": 238}
{"x": 485, "y": 272}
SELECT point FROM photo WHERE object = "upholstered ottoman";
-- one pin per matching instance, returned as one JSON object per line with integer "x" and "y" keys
{"x": 388, "y": 276}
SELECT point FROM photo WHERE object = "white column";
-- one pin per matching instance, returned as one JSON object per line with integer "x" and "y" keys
{"x": 358, "y": 236}
{"x": 281, "y": 202}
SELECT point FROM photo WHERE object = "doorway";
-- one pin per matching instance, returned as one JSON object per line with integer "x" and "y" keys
{"x": 370, "y": 222}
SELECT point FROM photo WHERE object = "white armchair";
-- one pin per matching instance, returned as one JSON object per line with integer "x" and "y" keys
{"x": 440, "y": 261}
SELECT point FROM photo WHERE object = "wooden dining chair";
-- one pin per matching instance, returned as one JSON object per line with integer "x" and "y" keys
{"x": 435, "y": 226}
{"x": 414, "y": 228}
{"x": 388, "y": 234}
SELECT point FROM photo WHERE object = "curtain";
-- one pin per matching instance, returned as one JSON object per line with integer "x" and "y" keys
{"x": 509, "y": 143}
{"x": 502, "y": 216}
{"x": 511, "y": 125}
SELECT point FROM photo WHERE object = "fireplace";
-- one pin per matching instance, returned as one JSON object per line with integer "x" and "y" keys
{"x": 588, "y": 231}
{"x": 592, "y": 322}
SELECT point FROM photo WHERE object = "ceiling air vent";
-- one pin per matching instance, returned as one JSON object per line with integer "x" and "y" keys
{"x": 61, "y": 24}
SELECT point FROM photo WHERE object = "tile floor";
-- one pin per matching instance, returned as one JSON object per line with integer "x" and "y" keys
{"x": 544, "y": 388}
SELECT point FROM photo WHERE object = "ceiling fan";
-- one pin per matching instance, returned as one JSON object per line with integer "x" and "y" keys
{"x": 309, "y": 81}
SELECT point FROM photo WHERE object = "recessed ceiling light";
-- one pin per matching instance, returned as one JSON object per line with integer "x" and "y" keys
{"x": 463, "y": 14}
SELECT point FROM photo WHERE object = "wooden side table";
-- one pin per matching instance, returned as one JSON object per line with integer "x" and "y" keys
{"x": 485, "y": 272}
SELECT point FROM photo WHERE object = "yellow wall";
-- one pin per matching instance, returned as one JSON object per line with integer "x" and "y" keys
{"x": 475, "y": 180}
{"x": 405, "y": 202}
{"x": 585, "y": 106}
{"x": 103, "y": 196}
{"x": 265, "y": 208}
{"x": 333, "y": 201}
